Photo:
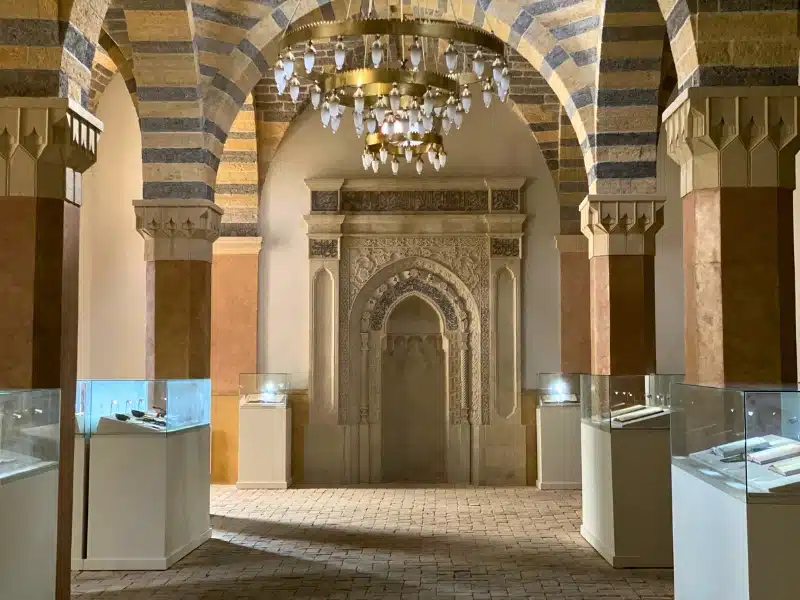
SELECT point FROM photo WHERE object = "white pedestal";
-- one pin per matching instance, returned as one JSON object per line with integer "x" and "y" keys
{"x": 79, "y": 502}
{"x": 28, "y": 536}
{"x": 265, "y": 434}
{"x": 558, "y": 447}
{"x": 149, "y": 499}
{"x": 627, "y": 514}
{"x": 728, "y": 548}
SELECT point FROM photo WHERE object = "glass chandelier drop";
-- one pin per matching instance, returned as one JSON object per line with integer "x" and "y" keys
{"x": 402, "y": 104}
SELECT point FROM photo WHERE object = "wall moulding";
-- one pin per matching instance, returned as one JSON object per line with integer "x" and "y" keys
{"x": 237, "y": 245}
{"x": 427, "y": 195}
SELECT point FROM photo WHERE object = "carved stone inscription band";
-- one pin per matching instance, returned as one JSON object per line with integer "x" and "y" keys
{"x": 323, "y": 248}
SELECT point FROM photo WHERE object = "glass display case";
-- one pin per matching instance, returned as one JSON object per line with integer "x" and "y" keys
{"x": 619, "y": 401}
{"x": 743, "y": 440}
{"x": 266, "y": 389}
{"x": 559, "y": 388}
{"x": 143, "y": 406}
{"x": 29, "y": 432}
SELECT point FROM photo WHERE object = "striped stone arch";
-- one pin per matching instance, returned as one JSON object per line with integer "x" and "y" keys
{"x": 109, "y": 60}
{"x": 621, "y": 155}
{"x": 180, "y": 153}
{"x": 557, "y": 39}
{"x": 31, "y": 67}
{"x": 743, "y": 43}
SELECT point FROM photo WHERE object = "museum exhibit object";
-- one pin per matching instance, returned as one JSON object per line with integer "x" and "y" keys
{"x": 401, "y": 102}
{"x": 29, "y": 454}
{"x": 735, "y": 491}
{"x": 558, "y": 431}
{"x": 625, "y": 468}
{"x": 147, "y": 469}
{"x": 265, "y": 431}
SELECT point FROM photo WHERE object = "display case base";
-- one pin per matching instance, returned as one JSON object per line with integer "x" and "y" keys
{"x": 627, "y": 496}
{"x": 149, "y": 499}
{"x": 265, "y": 450}
{"x": 728, "y": 548}
{"x": 558, "y": 447}
{"x": 28, "y": 536}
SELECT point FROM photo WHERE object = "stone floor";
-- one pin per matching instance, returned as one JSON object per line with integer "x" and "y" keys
{"x": 388, "y": 543}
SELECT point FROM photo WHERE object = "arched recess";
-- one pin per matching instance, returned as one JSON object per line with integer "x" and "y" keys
{"x": 361, "y": 353}
{"x": 180, "y": 155}
{"x": 538, "y": 36}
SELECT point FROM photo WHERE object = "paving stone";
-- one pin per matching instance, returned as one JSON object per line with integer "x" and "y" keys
{"x": 387, "y": 543}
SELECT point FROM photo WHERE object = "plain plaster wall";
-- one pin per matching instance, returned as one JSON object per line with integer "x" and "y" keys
{"x": 111, "y": 326}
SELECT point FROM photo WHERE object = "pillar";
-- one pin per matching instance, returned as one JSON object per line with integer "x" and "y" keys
{"x": 45, "y": 146}
{"x": 234, "y": 333}
{"x": 576, "y": 338}
{"x": 736, "y": 148}
{"x": 621, "y": 230}
{"x": 178, "y": 240}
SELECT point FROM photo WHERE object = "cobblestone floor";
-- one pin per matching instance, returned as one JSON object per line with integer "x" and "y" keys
{"x": 387, "y": 543}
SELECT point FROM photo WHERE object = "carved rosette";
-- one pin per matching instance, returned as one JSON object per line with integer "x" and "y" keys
{"x": 626, "y": 224}
{"x": 734, "y": 137}
{"x": 45, "y": 146}
{"x": 183, "y": 230}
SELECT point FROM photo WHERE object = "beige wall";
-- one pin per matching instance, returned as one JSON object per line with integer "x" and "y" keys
{"x": 111, "y": 327}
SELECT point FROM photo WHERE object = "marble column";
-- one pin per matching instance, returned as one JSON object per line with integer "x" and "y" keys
{"x": 576, "y": 332}
{"x": 45, "y": 146}
{"x": 621, "y": 230}
{"x": 736, "y": 148}
{"x": 178, "y": 242}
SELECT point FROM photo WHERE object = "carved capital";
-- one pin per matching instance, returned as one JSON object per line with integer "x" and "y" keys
{"x": 734, "y": 137}
{"x": 625, "y": 224}
{"x": 45, "y": 146}
{"x": 179, "y": 231}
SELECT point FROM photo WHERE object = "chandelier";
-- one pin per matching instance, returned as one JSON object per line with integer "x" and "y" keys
{"x": 402, "y": 103}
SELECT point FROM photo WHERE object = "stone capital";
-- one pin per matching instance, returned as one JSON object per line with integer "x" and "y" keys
{"x": 183, "y": 230}
{"x": 572, "y": 243}
{"x": 622, "y": 224}
{"x": 734, "y": 136}
{"x": 45, "y": 146}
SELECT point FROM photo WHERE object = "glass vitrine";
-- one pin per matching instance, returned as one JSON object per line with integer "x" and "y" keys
{"x": 619, "y": 401}
{"x": 29, "y": 432}
{"x": 265, "y": 389}
{"x": 745, "y": 440}
{"x": 143, "y": 406}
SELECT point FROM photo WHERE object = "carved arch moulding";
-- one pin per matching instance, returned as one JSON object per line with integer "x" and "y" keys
{"x": 437, "y": 240}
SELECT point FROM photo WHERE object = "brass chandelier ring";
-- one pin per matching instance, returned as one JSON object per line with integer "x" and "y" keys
{"x": 432, "y": 28}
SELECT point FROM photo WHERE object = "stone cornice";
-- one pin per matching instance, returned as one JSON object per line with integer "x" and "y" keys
{"x": 734, "y": 136}
{"x": 56, "y": 135}
{"x": 622, "y": 224}
{"x": 183, "y": 230}
{"x": 369, "y": 184}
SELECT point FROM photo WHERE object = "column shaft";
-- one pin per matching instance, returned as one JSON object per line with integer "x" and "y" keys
{"x": 739, "y": 292}
{"x": 575, "y": 335}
